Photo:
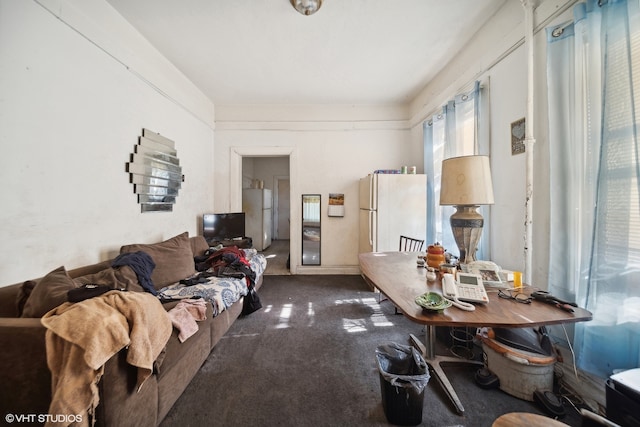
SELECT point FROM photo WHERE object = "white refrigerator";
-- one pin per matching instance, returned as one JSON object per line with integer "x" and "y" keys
{"x": 257, "y": 206}
{"x": 391, "y": 205}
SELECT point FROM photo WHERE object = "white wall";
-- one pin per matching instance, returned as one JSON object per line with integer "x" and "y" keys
{"x": 497, "y": 57}
{"x": 264, "y": 169}
{"x": 77, "y": 86}
{"x": 330, "y": 157}
{"x": 338, "y": 144}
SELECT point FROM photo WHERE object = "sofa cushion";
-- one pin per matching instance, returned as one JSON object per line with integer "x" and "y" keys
{"x": 23, "y": 295}
{"x": 48, "y": 293}
{"x": 199, "y": 245}
{"x": 173, "y": 258}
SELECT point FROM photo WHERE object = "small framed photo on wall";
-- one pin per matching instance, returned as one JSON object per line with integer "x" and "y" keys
{"x": 517, "y": 136}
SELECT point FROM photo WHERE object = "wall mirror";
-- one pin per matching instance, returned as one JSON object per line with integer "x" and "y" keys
{"x": 311, "y": 229}
{"x": 155, "y": 172}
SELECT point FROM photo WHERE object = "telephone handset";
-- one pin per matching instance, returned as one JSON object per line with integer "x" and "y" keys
{"x": 450, "y": 291}
{"x": 449, "y": 286}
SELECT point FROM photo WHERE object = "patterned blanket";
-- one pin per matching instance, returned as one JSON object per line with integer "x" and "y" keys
{"x": 222, "y": 292}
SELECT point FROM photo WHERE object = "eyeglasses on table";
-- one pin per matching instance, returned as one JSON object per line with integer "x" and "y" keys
{"x": 518, "y": 296}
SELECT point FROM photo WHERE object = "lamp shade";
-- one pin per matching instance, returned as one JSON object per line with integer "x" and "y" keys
{"x": 466, "y": 181}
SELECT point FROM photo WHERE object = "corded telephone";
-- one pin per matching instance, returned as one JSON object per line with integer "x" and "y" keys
{"x": 469, "y": 288}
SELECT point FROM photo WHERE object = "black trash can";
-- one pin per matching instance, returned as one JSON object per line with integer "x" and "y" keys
{"x": 403, "y": 377}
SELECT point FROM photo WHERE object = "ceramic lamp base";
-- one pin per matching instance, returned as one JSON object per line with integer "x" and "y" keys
{"x": 466, "y": 224}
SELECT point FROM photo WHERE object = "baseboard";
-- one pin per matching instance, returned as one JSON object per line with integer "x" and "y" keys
{"x": 333, "y": 269}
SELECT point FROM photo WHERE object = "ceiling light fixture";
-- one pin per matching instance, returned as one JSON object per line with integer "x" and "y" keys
{"x": 306, "y": 7}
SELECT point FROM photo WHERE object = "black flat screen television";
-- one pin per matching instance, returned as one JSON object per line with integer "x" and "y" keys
{"x": 223, "y": 226}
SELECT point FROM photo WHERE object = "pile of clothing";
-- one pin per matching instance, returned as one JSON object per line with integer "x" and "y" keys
{"x": 223, "y": 261}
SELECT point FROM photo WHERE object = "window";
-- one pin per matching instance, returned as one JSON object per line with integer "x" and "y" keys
{"x": 451, "y": 132}
{"x": 593, "y": 85}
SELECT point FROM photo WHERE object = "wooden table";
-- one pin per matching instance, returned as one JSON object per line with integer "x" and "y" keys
{"x": 397, "y": 276}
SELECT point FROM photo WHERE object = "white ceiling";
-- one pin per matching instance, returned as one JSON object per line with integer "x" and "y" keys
{"x": 349, "y": 52}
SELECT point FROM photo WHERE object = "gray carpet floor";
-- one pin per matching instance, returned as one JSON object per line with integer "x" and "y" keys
{"x": 307, "y": 358}
{"x": 277, "y": 255}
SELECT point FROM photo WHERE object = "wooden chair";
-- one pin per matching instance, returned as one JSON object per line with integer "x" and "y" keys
{"x": 409, "y": 244}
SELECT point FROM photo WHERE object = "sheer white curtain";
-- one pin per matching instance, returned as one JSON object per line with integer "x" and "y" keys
{"x": 453, "y": 131}
{"x": 594, "y": 101}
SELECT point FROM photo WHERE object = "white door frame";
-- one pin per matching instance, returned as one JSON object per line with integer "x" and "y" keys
{"x": 276, "y": 197}
{"x": 235, "y": 190}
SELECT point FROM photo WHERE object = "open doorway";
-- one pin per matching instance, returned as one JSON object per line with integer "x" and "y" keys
{"x": 236, "y": 178}
{"x": 268, "y": 178}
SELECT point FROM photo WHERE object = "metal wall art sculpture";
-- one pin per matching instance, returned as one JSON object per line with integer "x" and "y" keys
{"x": 155, "y": 172}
